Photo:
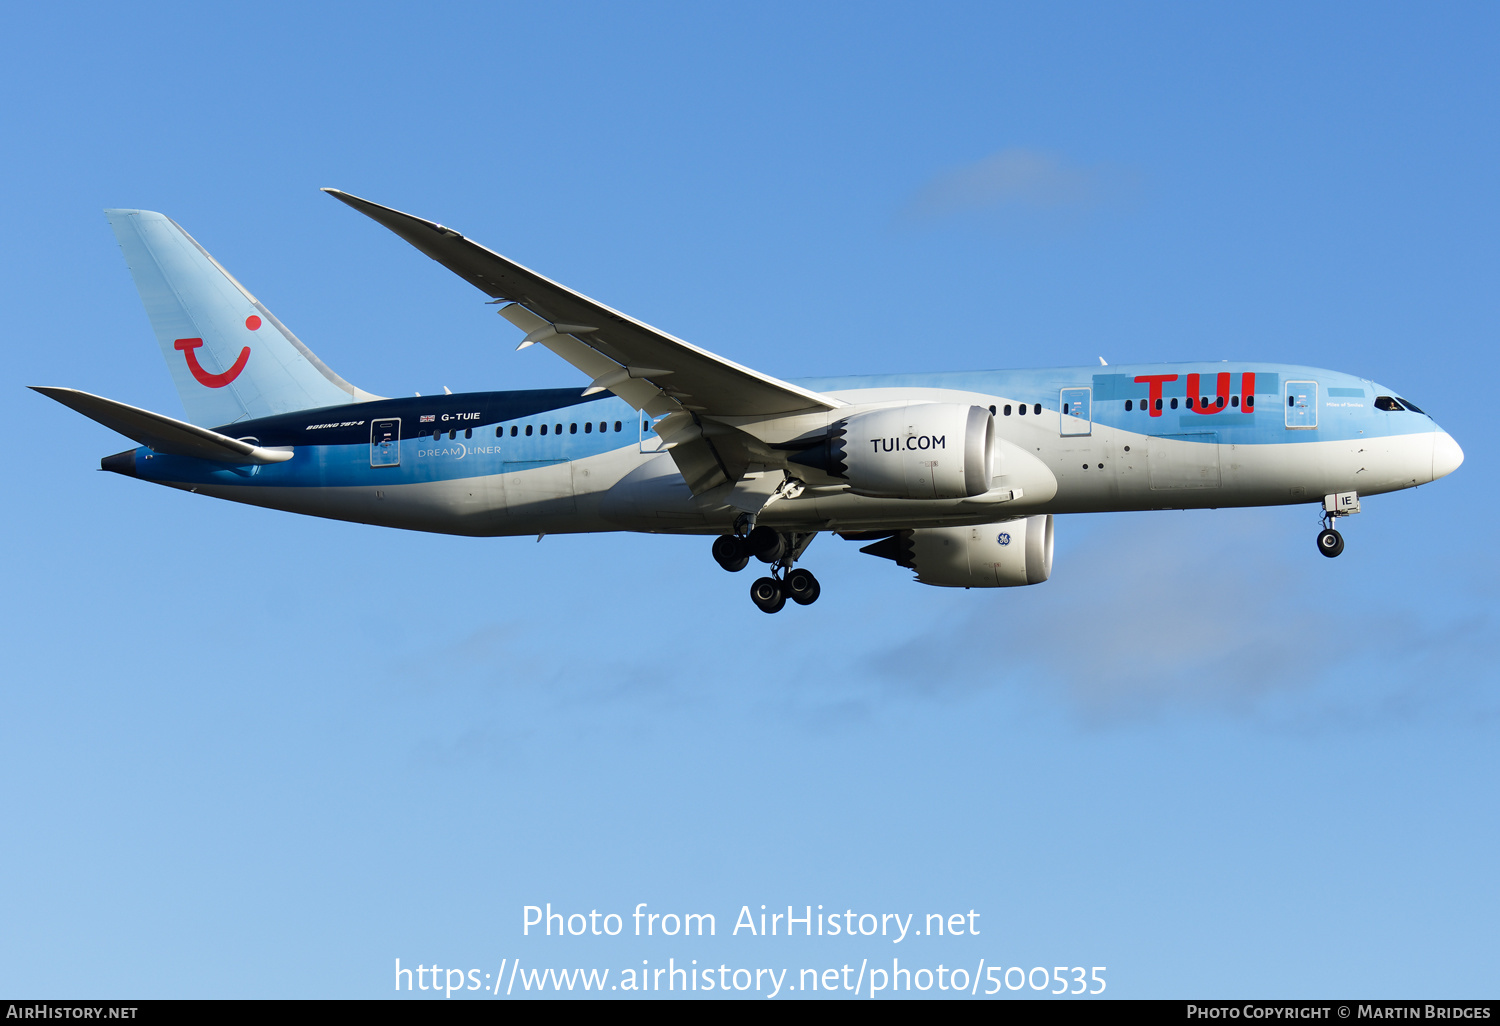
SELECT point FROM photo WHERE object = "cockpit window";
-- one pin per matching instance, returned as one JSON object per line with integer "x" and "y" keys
{"x": 1385, "y": 402}
{"x": 1411, "y": 406}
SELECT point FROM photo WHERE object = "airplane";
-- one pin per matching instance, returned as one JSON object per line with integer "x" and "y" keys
{"x": 955, "y": 476}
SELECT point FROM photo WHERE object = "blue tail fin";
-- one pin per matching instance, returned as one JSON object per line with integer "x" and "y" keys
{"x": 230, "y": 358}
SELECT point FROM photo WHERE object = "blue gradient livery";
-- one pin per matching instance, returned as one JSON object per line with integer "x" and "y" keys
{"x": 956, "y": 476}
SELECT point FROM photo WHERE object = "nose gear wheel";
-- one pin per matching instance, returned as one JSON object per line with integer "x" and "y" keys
{"x": 1330, "y": 542}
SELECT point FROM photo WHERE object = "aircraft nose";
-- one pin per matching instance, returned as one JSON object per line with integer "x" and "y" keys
{"x": 1446, "y": 455}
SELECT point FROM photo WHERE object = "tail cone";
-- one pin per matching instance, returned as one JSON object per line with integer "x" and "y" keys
{"x": 120, "y": 463}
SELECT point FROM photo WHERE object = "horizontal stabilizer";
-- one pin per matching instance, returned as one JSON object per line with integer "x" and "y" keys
{"x": 163, "y": 434}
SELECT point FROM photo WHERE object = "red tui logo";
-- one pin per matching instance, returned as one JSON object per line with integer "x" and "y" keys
{"x": 1196, "y": 401}
{"x": 187, "y": 345}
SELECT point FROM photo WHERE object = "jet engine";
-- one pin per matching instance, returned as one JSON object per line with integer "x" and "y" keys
{"x": 1003, "y": 555}
{"x": 913, "y": 451}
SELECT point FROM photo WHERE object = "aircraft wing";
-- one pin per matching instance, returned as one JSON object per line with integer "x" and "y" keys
{"x": 164, "y": 434}
{"x": 648, "y": 368}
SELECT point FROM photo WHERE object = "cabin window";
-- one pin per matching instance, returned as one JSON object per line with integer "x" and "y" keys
{"x": 1249, "y": 402}
{"x": 1219, "y": 402}
{"x": 1007, "y": 409}
{"x": 1022, "y": 409}
{"x": 1065, "y": 410}
{"x": 557, "y": 429}
{"x": 1174, "y": 404}
{"x": 544, "y": 429}
{"x": 499, "y": 432}
{"x": 512, "y": 431}
{"x": 1234, "y": 400}
{"x": 1190, "y": 402}
{"x": 1037, "y": 409}
{"x": 572, "y": 429}
{"x": 992, "y": 411}
{"x": 588, "y": 427}
{"x": 436, "y": 435}
{"x": 1291, "y": 400}
{"x": 618, "y": 425}
{"x": 603, "y": 427}
{"x": 1128, "y": 406}
{"x": 1158, "y": 404}
{"x": 468, "y": 432}
{"x": 528, "y": 431}
{"x": 452, "y": 434}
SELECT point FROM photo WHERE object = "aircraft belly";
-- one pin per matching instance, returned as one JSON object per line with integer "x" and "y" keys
{"x": 1305, "y": 472}
{"x": 652, "y": 497}
{"x": 1196, "y": 474}
{"x": 467, "y": 506}
{"x": 1193, "y": 470}
{"x": 1184, "y": 461}
{"x": 538, "y": 488}
{"x": 627, "y": 490}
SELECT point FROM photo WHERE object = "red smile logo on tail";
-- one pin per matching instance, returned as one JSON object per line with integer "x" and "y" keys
{"x": 187, "y": 345}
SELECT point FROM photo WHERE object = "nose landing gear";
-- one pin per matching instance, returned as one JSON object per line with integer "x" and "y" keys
{"x": 780, "y": 550}
{"x": 1339, "y": 504}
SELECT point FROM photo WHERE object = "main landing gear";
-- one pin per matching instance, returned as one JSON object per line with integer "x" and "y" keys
{"x": 780, "y": 550}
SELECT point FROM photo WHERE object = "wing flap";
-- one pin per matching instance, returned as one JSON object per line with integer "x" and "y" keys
{"x": 161, "y": 433}
{"x": 638, "y": 392}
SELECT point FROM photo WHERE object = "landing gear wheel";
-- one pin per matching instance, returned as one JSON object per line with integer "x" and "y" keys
{"x": 1330, "y": 542}
{"x": 767, "y": 594}
{"x": 802, "y": 587}
{"x": 766, "y": 544}
{"x": 729, "y": 552}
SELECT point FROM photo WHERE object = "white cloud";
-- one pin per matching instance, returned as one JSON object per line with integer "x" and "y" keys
{"x": 1221, "y": 613}
{"x": 1016, "y": 181}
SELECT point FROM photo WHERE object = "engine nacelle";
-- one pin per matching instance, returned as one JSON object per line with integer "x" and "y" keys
{"x": 913, "y": 451}
{"x": 1003, "y": 555}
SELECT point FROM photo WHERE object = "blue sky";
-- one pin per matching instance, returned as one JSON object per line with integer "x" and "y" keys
{"x": 251, "y": 754}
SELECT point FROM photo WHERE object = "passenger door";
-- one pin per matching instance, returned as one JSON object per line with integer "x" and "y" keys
{"x": 1301, "y": 399}
{"x": 1076, "y": 406}
{"x": 385, "y": 442}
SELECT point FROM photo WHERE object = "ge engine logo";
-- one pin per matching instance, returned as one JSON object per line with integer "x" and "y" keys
{"x": 1004, "y": 538}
